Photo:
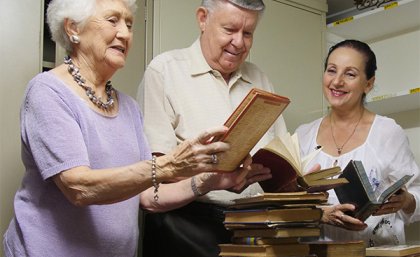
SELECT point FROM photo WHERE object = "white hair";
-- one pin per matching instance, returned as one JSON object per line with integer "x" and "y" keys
{"x": 78, "y": 11}
{"x": 253, "y": 5}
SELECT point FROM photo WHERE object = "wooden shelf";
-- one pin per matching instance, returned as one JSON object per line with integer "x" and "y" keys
{"x": 373, "y": 24}
{"x": 394, "y": 103}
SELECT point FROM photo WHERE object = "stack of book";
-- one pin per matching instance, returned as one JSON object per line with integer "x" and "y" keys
{"x": 272, "y": 224}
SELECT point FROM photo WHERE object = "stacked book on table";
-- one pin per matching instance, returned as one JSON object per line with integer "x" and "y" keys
{"x": 272, "y": 224}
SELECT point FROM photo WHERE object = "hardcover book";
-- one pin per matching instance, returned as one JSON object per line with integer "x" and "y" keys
{"x": 273, "y": 215}
{"x": 394, "y": 250}
{"x": 264, "y": 250}
{"x": 285, "y": 200}
{"x": 248, "y": 123}
{"x": 282, "y": 156}
{"x": 278, "y": 232}
{"x": 337, "y": 248}
{"x": 360, "y": 193}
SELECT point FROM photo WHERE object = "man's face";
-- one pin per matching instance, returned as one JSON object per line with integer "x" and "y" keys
{"x": 227, "y": 35}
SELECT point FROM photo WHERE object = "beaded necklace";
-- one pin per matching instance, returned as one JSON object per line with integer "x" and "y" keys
{"x": 75, "y": 73}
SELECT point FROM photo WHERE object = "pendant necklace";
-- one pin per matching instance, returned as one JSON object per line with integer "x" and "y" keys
{"x": 340, "y": 148}
{"x": 75, "y": 73}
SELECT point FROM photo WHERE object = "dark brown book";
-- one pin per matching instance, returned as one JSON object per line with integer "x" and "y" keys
{"x": 337, "y": 248}
{"x": 282, "y": 156}
{"x": 264, "y": 250}
{"x": 273, "y": 215}
{"x": 265, "y": 240}
{"x": 284, "y": 200}
{"x": 247, "y": 124}
{"x": 360, "y": 192}
{"x": 278, "y": 232}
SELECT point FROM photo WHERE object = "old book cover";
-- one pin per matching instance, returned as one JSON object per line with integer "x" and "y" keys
{"x": 251, "y": 240}
{"x": 279, "y": 232}
{"x": 271, "y": 225}
{"x": 337, "y": 248}
{"x": 273, "y": 215}
{"x": 282, "y": 156}
{"x": 286, "y": 200}
{"x": 264, "y": 250}
{"x": 248, "y": 123}
{"x": 360, "y": 193}
{"x": 393, "y": 250}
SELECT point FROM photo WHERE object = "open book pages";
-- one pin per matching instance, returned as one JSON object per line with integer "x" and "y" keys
{"x": 282, "y": 156}
{"x": 288, "y": 147}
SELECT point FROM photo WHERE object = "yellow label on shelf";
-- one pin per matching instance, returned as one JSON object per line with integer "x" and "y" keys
{"x": 415, "y": 90}
{"x": 343, "y": 21}
{"x": 380, "y": 97}
{"x": 391, "y": 5}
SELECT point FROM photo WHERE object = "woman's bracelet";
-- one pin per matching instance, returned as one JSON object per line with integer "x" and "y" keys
{"x": 154, "y": 180}
{"x": 194, "y": 188}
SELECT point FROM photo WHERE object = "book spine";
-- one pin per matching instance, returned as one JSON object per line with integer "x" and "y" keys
{"x": 364, "y": 179}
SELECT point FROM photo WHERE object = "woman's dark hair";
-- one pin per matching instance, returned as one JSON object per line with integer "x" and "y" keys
{"x": 362, "y": 48}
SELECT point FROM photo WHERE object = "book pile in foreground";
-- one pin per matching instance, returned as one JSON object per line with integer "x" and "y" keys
{"x": 337, "y": 248}
{"x": 394, "y": 250}
{"x": 272, "y": 224}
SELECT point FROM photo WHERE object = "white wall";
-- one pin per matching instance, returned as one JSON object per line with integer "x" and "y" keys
{"x": 17, "y": 67}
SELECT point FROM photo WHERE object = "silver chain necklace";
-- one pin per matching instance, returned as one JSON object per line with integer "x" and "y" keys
{"x": 75, "y": 73}
{"x": 340, "y": 148}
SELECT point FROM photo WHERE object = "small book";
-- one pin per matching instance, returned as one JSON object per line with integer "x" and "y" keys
{"x": 282, "y": 156}
{"x": 359, "y": 191}
{"x": 247, "y": 125}
{"x": 337, "y": 248}
{"x": 273, "y": 215}
{"x": 394, "y": 250}
{"x": 279, "y": 232}
{"x": 264, "y": 250}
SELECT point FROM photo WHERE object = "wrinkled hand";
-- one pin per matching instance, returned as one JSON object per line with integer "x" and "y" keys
{"x": 256, "y": 173}
{"x": 234, "y": 181}
{"x": 402, "y": 200}
{"x": 191, "y": 157}
{"x": 335, "y": 215}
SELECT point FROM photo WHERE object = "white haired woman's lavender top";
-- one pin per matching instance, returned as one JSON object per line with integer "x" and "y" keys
{"x": 59, "y": 131}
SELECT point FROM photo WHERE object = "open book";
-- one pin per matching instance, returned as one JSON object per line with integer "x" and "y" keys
{"x": 247, "y": 124}
{"x": 282, "y": 156}
{"x": 359, "y": 191}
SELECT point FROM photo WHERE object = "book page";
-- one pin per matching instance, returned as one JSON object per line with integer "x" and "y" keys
{"x": 281, "y": 148}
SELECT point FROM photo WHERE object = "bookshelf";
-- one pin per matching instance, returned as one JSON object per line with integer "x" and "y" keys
{"x": 401, "y": 101}
{"x": 380, "y": 27}
{"x": 373, "y": 24}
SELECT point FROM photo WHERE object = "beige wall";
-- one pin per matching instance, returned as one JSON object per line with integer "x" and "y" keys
{"x": 17, "y": 67}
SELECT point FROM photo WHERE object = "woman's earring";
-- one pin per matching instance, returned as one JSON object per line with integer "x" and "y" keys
{"x": 75, "y": 39}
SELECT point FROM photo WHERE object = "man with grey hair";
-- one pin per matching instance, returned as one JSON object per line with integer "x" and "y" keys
{"x": 185, "y": 90}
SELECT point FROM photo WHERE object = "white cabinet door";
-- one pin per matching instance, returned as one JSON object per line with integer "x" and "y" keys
{"x": 289, "y": 47}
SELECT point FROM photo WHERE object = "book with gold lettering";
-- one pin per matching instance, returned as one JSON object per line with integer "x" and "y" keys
{"x": 247, "y": 124}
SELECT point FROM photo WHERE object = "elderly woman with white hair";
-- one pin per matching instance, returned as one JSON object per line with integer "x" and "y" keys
{"x": 85, "y": 154}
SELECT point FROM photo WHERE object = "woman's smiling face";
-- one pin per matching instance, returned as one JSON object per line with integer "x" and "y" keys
{"x": 344, "y": 79}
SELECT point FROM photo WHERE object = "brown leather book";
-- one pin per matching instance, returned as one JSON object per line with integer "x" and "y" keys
{"x": 247, "y": 124}
{"x": 282, "y": 156}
